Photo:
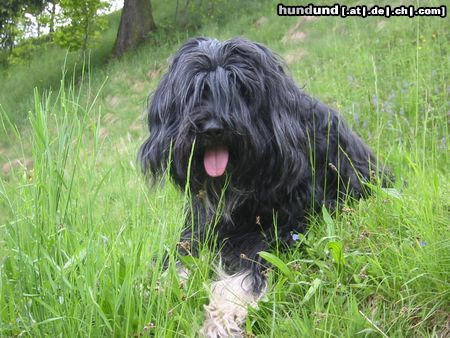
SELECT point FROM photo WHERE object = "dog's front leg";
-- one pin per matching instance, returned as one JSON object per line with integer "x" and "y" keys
{"x": 232, "y": 294}
{"x": 230, "y": 298}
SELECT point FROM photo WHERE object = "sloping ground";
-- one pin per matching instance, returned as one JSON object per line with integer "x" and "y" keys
{"x": 82, "y": 238}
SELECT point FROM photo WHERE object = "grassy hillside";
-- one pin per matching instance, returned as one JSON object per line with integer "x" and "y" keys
{"x": 82, "y": 237}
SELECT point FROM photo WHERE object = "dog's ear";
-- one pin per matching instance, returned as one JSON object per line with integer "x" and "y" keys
{"x": 290, "y": 139}
{"x": 275, "y": 98}
{"x": 285, "y": 109}
{"x": 154, "y": 154}
{"x": 166, "y": 106}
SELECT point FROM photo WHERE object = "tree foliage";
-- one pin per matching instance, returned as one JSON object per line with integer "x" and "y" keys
{"x": 11, "y": 13}
{"x": 81, "y": 23}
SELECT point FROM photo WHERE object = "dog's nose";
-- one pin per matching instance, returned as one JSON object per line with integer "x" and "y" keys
{"x": 213, "y": 128}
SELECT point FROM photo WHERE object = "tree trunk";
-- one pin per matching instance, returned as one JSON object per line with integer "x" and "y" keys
{"x": 136, "y": 23}
{"x": 52, "y": 17}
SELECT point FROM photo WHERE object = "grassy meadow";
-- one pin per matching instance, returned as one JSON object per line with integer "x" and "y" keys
{"x": 82, "y": 237}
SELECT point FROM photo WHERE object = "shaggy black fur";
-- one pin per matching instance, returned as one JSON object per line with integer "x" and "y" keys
{"x": 289, "y": 154}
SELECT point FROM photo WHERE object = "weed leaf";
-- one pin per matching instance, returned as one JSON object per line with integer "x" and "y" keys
{"x": 316, "y": 283}
{"x": 274, "y": 260}
{"x": 328, "y": 221}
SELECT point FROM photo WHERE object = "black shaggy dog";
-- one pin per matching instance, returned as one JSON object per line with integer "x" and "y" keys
{"x": 258, "y": 154}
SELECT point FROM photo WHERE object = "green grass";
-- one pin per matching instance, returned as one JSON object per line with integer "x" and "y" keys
{"x": 82, "y": 237}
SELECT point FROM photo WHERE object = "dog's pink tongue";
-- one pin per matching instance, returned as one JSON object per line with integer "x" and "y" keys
{"x": 215, "y": 161}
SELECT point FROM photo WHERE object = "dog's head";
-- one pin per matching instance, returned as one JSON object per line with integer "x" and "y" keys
{"x": 224, "y": 109}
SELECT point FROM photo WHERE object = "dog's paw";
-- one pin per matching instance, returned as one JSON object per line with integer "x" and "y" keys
{"x": 221, "y": 324}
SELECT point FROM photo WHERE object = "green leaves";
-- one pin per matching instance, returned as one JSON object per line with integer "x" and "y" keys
{"x": 328, "y": 221}
{"x": 84, "y": 23}
{"x": 335, "y": 247}
{"x": 315, "y": 284}
{"x": 277, "y": 262}
{"x": 337, "y": 252}
{"x": 12, "y": 13}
